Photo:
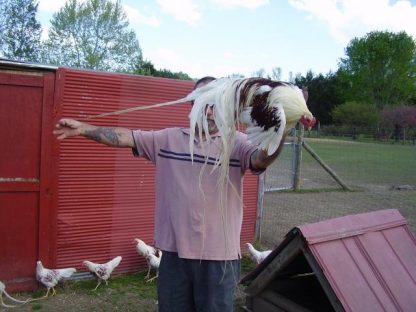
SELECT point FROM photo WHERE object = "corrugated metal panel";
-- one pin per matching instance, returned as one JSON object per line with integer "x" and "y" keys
{"x": 106, "y": 196}
{"x": 369, "y": 259}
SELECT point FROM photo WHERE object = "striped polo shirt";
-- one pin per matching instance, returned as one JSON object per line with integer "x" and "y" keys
{"x": 188, "y": 219}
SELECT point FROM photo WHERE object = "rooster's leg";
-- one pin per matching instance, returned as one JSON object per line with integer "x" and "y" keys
{"x": 154, "y": 277}
{"x": 47, "y": 293}
{"x": 99, "y": 283}
{"x": 148, "y": 273}
{"x": 53, "y": 291}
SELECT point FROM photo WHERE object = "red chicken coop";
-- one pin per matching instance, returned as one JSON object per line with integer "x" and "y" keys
{"x": 65, "y": 202}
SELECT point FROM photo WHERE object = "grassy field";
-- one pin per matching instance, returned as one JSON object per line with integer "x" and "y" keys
{"x": 382, "y": 175}
{"x": 365, "y": 164}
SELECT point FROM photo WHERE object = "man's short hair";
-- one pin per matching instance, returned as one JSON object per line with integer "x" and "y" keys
{"x": 203, "y": 80}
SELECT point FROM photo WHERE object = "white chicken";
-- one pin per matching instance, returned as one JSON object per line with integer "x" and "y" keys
{"x": 153, "y": 262}
{"x": 257, "y": 255}
{"x": 51, "y": 277}
{"x": 102, "y": 271}
{"x": 3, "y": 291}
{"x": 268, "y": 109}
{"x": 145, "y": 250}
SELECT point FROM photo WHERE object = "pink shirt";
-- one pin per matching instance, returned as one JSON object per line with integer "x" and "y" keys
{"x": 186, "y": 222}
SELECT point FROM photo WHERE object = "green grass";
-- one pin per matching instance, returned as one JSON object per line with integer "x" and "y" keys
{"x": 135, "y": 283}
{"x": 360, "y": 162}
{"x": 124, "y": 292}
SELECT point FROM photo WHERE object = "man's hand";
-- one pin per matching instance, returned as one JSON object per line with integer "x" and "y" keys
{"x": 66, "y": 128}
{"x": 261, "y": 160}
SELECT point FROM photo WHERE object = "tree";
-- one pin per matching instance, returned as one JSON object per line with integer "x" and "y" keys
{"x": 147, "y": 68}
{"x": 380, "y": 68}
{"x": 3, "y": 6}
{"x": 355, "y": 113}
{"x": 324, "y": 94}
{"x": 276, "y": 73}
{"x": 404, "y": 116}
{"x": 93, "y": 34}
{"x": 20, "y": 31}
{"x": 259, "y": 73}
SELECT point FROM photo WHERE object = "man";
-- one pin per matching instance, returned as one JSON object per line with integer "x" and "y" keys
{"x": 200, "y": 265}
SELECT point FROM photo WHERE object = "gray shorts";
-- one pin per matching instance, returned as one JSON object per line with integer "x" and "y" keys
{"x": 186, "y": 285}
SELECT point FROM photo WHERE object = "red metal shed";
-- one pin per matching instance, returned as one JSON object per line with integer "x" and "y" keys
{"x": 363, "y": 262}
{"x": 67, "y": 202}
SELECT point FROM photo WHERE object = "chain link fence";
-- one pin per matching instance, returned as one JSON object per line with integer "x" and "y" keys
{"x": 382, "y": 175}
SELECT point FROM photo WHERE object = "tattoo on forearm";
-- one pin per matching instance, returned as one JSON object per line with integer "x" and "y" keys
{"x": 104, "y": 135}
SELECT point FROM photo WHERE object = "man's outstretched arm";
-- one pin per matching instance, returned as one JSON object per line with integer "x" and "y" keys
{"x": 111, "y": 136}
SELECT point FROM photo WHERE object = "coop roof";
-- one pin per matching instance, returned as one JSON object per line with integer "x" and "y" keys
{"x": 368, "y": 261}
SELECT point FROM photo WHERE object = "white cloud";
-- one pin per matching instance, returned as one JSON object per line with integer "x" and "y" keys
{"x": 347, "y": 19}
{"x": 136, "y": 16}
{"x": 250, "y": 4}
{"x": 187, "y": 11}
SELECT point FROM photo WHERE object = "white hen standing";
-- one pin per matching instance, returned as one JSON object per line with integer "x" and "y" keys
{"x": 145, "y": 250}
{"x": 51, "y": 277}
{"x": 102, "y": 271}
{"x": 153, "y": 262}
{"x": 3, "y": 291}
{"x": 257, "y": 255}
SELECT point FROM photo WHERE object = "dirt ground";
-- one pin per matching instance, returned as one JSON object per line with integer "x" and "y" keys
{"x": 283, "y": 211}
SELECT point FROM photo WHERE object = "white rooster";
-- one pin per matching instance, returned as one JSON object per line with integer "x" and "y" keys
{"x": 257, "y": 255}
{"x": 102, "y": 271}
{"x": 153, "y": 262}
{"x": 145, "y": 250}
{"x": 3, "y": 291}
{"x": 51, "y": 277}
{"x": 268, "y": 108}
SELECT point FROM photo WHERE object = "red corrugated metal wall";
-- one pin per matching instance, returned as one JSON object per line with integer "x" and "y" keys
{"x": 106, "y": 196}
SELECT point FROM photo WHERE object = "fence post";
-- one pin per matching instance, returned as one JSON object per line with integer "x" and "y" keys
{"x": 260, "y": 206}
{"x": 326, "y": 167}
{"x": 298, "y": 157}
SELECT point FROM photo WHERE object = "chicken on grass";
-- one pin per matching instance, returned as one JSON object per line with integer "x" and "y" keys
{"x": 102, "y": 271}
{"x": 153, "y": 261}
{"x": 51, "y": 277}
{"x": 257, "y": 255}
{"x": 3, "y": 291}
{"x": 145, "y": 251}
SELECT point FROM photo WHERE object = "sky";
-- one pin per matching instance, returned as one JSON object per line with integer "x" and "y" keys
{"x": 225, "y": 37}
